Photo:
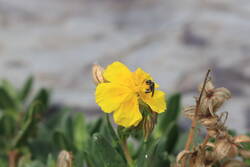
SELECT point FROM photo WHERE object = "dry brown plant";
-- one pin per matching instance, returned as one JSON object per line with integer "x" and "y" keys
{"x": 218, "y": 147}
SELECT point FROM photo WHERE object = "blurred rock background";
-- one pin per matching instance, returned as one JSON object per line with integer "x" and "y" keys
{"x": 57, "y": 41}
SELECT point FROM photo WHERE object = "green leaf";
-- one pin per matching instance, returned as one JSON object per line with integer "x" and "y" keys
{"x": 26, "y": 88}
{"x": 43, "y": 97}
{"x": 232, "y": 132}
{"x": 91, "y": 161}
{"x": 78, "y": 159}
{"x": 172, "y": 136}
{"x": 146, "y": 152}
{"x": 246, "y": 146}
{"x": 24, "y": 160}
{"x": 32, "y": 117}
{"x": 160, "y": 158}
{"x": 183, "y": 136}
{"x": 108, "y": 132}
{"x": 95, "y": 126}
{"x": 58, "y": 119}
{"x": 173, "y": 110}
{"x": 7, "y": 124}
{"x": 41, "y": 146}
{"x": 61, "y": 141}
{"x": 6, "y": 101}
{"x": 9, "y": 88}
{"x": 35, "y": 163}
{"x": 50, "y": 161}
{"x": 158, "y": 155}
{"x": 3, "y": 162}
{"x": 80, "y": 135}
{"x": 106, "y": 153}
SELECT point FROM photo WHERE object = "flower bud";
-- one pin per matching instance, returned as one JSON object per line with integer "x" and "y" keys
{"x": 148, "y": 125}
{"x": 64, "y": 159}
{"x": 97, "y": 73}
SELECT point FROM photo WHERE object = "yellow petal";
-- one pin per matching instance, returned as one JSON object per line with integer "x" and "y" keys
{"x": 118, "y": 73}
{"x": 157, "y": 103}
{"x": 128, "y": 114}
{"x": 141, "y": 76}
{"x": 109, "y": 96}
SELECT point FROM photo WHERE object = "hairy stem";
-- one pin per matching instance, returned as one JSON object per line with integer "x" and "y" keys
{"x": 194, "y": 121}
{"x": 12, "y": 156}
{"x": 126, "y": 152}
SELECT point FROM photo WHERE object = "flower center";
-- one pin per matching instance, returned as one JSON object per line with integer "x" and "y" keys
{"x": 145, "y": 88}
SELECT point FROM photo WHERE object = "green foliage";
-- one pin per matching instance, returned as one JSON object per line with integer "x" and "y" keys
{"x": 246, "y": 146}
{"x": 37, "y": 132}
{"x": 19, "y": 120}
{"x": 105, "y": 153}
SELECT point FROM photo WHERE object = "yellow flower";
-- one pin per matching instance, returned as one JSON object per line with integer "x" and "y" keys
{"x": 123, "y": 92}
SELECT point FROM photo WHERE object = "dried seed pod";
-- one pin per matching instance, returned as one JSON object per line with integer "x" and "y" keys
{"x": 209, "y": 122}
{"x": 189, "y": 112}
{"x": 209, "y": 144}
{"x": 64, "y": 159}
{"x": 97, "y": 74}
{"x": 181, "y": 155}
{"x": 245, "y": 154}
{"x": 210, "y": 157}
{"x": 198, "y": 160}
{"x": 209, "y": 86}
{"x": 222, "y": 92}
{"x": 233, "y": 152}
{"x": 213, "y": 98}
{"x": 222, "y": 148}
{"x": 212, "y": 132}
{"x": 242, "y": 139}
{"x": 205, "y": 105}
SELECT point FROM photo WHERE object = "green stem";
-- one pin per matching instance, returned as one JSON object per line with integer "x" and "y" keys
{"x": 126, "y": 152}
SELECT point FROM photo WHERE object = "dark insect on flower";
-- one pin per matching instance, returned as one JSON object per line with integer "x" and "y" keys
{"x": 151, "y": 88}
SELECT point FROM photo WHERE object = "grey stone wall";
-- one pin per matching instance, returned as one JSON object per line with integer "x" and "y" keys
{"x": 176, "y": 41}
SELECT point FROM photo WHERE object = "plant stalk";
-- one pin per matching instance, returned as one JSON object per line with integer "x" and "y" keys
{"x": 126, "y": 152}
{"x": 194, "y": 121}
{"x": 12, "y": 156}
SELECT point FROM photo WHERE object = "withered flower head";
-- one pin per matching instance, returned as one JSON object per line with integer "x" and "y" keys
{"x": 225, "y": 148}
{"x": 241, "y": 139}
{"x": 213, "y": 98}
{"x": 245, "y": 154}
{"x": 97, "y": 74}
{"x": 196, "y": 158}
{"x": 64, "y": 159}
{"x": 189, "y": 112}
